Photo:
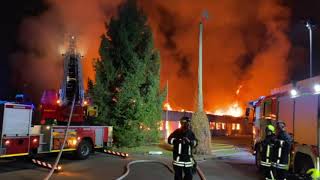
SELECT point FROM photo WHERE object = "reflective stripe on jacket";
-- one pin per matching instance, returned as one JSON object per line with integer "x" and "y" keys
{"x": 283, "y": 146}
{"x": 267, "y": 151}
{"x": 182, "y": 150}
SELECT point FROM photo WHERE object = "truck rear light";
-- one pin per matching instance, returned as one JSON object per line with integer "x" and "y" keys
{"x": 7, "y": 142}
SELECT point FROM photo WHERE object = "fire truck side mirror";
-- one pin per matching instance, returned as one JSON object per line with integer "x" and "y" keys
{"x": 247, "y": 112}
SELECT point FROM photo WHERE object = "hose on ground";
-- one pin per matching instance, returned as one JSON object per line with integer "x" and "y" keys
{"x": 64, "y": 142}
{"x": 200, "y": 173}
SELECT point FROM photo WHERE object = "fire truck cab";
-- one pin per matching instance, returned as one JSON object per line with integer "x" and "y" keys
{"x": 298, "y": 105}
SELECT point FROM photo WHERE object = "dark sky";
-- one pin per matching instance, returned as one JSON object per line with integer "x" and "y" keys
{"x": 299, "y": 55}
{"x": 14, "y": 11}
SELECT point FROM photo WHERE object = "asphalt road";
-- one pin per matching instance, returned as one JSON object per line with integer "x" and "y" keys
{"x": 102, "y": 166}
{"x": 239, "y": 166}
{"x": 98, "y": 166}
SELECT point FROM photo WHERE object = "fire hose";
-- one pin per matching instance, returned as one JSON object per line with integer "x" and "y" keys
{"x": 199, "y": 171}
{"x": 64, "y": 142}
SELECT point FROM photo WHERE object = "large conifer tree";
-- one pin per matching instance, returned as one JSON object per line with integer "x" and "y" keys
{"x": 127, "y": 88}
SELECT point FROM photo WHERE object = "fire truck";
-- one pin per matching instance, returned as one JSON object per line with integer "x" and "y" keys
{"x": 298, "y": 105}
{"x": 22, "y": 134}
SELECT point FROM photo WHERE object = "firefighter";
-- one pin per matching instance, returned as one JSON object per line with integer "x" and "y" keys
{"x": 282, "y": 151}
{"x": 183, "y": 141}
{"x": 266, "y": 150}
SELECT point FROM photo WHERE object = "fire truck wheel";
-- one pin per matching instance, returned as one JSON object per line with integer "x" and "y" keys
{"x": 302, "y": 164}
{"x": 84, "y": 149}
{"x": 33, "y": 153}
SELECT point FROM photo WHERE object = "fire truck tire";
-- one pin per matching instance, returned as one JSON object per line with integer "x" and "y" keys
{"x": 83, "y": 150}
{"x": 33, "y": 153}
{"x": 302, "y": 164}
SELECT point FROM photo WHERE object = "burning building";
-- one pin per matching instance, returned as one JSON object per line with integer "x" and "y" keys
{"x": 219, "y": 125}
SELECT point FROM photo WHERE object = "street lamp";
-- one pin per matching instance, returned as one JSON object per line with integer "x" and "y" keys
{"x": 309, "y": 27}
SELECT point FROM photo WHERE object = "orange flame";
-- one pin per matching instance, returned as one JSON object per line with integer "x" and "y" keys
{"x": 233, "y": 110}
{"x": 167, "y": 106}
{"x": 238, "y": 90}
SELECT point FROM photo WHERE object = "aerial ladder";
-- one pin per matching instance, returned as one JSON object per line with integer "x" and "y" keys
{"x": 56, "y": 106}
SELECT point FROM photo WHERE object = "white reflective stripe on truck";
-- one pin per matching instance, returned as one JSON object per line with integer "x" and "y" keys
{"x": 15, "y": 106}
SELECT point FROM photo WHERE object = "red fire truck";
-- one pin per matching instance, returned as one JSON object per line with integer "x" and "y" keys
{"x": 23, "y": 135}
{"x": 19, "y": 137}
{"x": 298, "y": 105}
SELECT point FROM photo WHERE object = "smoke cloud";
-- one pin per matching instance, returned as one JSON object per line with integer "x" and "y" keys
{"x": 44, "y": 38}
{"x": 245, "y": 43}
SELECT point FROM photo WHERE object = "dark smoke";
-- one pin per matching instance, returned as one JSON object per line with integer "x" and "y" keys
{"x": 245, "y": 43}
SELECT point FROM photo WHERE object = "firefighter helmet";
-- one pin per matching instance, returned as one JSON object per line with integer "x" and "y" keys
{"x": 185, "y": 119}
{"x": 271, "y": 128}
{"x": 185, "y": 122}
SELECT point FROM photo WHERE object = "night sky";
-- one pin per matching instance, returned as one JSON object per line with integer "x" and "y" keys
{"x": 15, "y": 11}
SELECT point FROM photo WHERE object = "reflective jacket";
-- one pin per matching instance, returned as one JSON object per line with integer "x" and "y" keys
{"x": 283, "y": 147}
{"x": 267, "y": 150}
{"x": 182, "y": 150}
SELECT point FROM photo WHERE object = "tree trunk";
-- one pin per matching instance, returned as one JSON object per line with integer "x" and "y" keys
{"x": 200, "y": 127}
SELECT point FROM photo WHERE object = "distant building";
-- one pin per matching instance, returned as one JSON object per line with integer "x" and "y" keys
{"x": 219, "y": 125}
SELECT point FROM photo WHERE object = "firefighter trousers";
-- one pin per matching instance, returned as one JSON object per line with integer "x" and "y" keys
{"x": 282, "y": 174}
{"x": 268, "y": 172}
{"x": 178, "y": 173}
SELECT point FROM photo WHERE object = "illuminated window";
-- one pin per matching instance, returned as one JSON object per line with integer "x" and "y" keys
{"x": 223, "y": 125}
{"x": 233, "y": 126}
{"x": 212, "y": 125}
{"x": 238, "y": 126}
{"x": 218, "y": 126}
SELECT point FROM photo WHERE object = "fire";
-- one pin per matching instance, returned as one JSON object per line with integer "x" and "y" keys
{"x": 238, "y": 90}
{"x": 167, "y": 106}
{"x": 233, "y": 110}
